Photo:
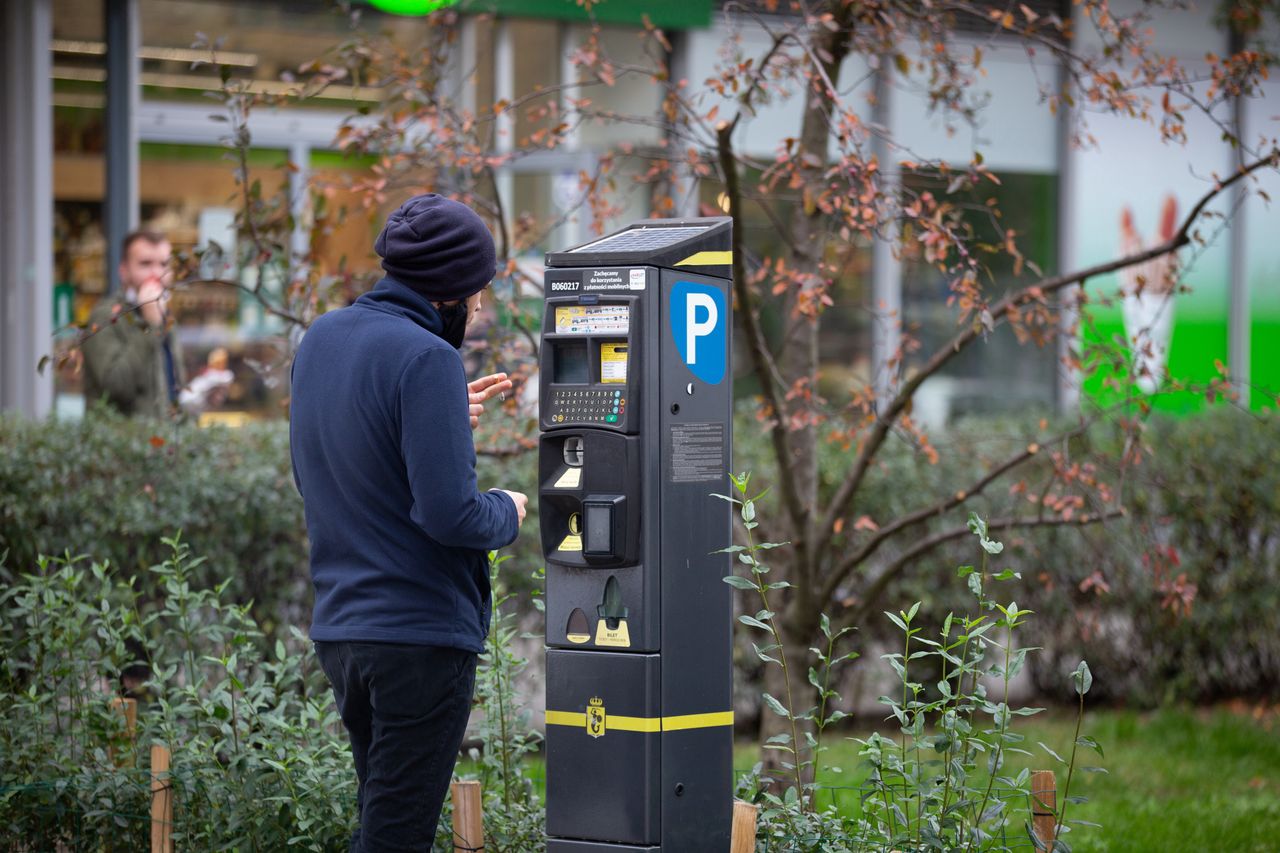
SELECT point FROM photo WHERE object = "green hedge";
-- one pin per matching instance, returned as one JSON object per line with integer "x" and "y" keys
{"x": 113, "y": 488}
{"x": 1203, "y": 519}
{"x": 1192, "y": 610}
{"x": 1204, "y": 511}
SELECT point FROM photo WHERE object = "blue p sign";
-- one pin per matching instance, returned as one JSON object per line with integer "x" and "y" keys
{"x": 699, "y": 323}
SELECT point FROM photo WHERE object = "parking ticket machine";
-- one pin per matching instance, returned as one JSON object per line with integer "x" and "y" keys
{"x": 635, "y": 442}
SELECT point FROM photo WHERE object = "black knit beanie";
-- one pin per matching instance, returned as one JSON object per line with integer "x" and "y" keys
{"x": 438, "y": 247}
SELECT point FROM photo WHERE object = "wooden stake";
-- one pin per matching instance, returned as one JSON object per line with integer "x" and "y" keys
{"x": 161, "y": 801}
{"x": 744, "y": 827}
{"x": 468, "y": 822}
{"x": 1044, "y": 806}
{"x": 129, "y": 709}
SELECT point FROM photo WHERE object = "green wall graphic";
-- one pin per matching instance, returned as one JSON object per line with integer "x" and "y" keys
{"x": 1131, "y": 192}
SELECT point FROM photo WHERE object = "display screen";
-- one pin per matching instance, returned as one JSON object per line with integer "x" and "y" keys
{"x": 571, "y": 366}
{"x": 592, "y": 319}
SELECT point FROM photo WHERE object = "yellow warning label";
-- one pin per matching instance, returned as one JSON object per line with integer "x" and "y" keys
{"x": 572, "y": 542}
{"x": 618, "y": 637}
{"x": 613, "y": 363}
{"x": 570, "y": 479}
{"x": 578, "y": 638}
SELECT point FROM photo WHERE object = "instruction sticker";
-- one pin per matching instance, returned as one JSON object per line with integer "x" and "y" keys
{"x": 570, "y": 479}
{"x": 613, "y": 363}
{"x": 697, "y": 452}
{"x": 573, "y": 542}
{"x": 592, "y": 319}
{"x": 618, "y": 637}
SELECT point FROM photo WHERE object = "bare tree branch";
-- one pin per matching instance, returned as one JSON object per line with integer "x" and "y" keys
{"x": 877, "y": 587}
{"x": 886, "y": 419}
{"x": 961, "y": 496}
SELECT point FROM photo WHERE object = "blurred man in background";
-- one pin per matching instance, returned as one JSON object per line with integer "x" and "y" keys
{"x": 130, "y": 356}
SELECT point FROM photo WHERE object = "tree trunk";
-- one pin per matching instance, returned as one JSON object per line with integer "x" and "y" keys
{"x": 798, "y": 364}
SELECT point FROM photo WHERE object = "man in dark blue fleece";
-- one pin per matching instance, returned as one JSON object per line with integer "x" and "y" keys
{"x": 380, "y": 428}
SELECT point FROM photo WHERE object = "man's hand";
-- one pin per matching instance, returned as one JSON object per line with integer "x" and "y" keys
{"x": 482, "y": 390}
{"x": 521, "y": 501}
{"x": 153, "y": 294}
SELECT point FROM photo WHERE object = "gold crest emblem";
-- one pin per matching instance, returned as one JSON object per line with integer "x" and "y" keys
{"x": 595, "y": 717}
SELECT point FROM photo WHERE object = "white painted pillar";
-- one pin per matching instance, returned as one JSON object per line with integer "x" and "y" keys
{"x": 1069, "y": 341}
{"x": 26, "y": 208}
{"x": 886, "y": 270}
{"x": 504, "y": 86}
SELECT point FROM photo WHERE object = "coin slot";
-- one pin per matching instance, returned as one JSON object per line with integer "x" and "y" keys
{"x": 575, "y": 525}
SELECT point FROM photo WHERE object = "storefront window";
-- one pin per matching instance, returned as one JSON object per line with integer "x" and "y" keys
{"x": 1000, "y": 373}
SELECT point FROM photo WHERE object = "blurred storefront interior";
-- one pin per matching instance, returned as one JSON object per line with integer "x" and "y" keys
{"x": 110, "y": 127}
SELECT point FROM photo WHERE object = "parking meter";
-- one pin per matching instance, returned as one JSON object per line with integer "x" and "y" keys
{"x": 635, "y": 397}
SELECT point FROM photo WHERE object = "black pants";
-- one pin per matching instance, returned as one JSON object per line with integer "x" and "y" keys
{"x": 405, "y": 709}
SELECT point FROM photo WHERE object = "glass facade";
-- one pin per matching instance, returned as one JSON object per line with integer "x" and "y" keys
{"x": 1004, "y": 374}
{"x": 189, "y": 191}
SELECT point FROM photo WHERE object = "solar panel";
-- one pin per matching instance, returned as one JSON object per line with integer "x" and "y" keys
{"x": 643, "y": 239}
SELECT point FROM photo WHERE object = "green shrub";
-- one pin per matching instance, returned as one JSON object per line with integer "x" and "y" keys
{"x": 945, "y": 781}
{"x": 1181, "y": 601}
{"x": 114, "y": 488}
{"x": 1177, "y": 601}
{"x": 259, "y": 760}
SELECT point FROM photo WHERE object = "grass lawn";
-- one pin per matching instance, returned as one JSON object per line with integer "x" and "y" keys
{"x": 1177, "y": 780}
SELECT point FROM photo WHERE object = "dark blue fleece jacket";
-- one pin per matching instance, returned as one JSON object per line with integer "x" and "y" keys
{"x": 382, "y": 452}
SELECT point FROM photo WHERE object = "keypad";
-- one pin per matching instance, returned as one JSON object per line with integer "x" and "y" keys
{"x": 587, "y": 405}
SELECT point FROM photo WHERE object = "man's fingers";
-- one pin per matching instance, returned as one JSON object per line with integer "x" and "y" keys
{"x": 476, "y": 410}
{"x": 487, "y": 387}
{"x": 490, "y": 392}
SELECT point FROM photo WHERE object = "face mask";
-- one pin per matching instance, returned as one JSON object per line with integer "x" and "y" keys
{"x": 455, "y": 323}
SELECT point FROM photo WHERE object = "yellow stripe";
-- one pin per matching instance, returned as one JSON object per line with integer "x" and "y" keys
{"x": 644, "y": 724}
{"x": 697, "y": 721}
{"x": 707, "y": 259}
{"x": 566, "y": 718}
{"x": 632, "y": 724}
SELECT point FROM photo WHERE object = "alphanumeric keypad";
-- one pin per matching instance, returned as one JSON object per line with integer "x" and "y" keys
{"x": 587, "y": 405}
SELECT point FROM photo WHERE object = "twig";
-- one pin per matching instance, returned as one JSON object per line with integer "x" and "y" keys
{"x": 891, "y": 571}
